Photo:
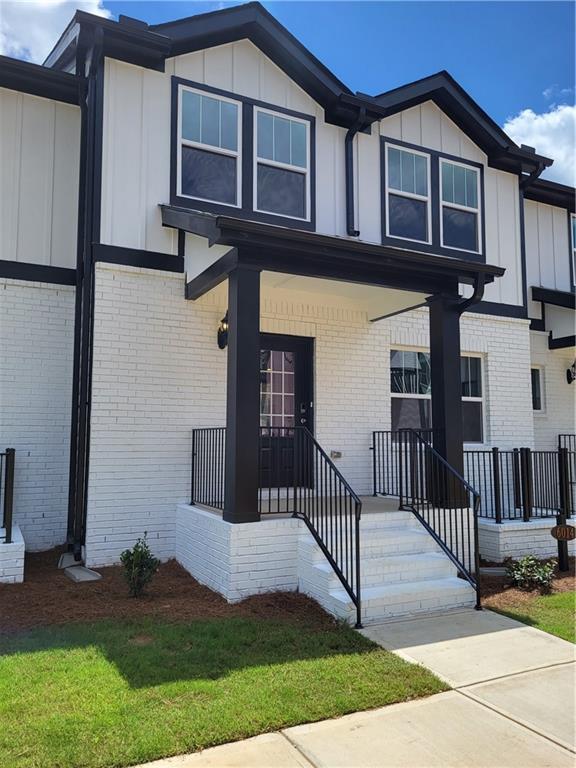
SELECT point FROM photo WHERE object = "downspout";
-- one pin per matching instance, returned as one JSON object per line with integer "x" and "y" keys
{"x": 349, "y": 165}
{"x": 477, "y": 294}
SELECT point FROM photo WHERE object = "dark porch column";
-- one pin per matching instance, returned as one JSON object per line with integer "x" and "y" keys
{"x": 446, "y": 381}
{"x": 243, "y": 397}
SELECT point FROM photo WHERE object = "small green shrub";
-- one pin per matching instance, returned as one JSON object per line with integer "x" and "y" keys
{"x": 139, "y": 566}
{"x": 530, "y": 573}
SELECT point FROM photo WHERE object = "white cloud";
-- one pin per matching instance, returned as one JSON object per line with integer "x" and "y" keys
{"x": 552, "y": 134}
{"x": 557, "y": 95}
{"x": 30, "y": 28}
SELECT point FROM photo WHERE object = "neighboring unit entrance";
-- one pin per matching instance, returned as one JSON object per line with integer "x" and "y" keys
{"x": 286, "y": 387}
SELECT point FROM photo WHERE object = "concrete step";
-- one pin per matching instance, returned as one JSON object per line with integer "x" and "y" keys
{"x": 394, "y": 569}
{"x": 381, "y": 542}
{"x": 405, "y": 598}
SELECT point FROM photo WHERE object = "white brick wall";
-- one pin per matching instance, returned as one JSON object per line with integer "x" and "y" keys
{"x": 158, "y": 373}
{"x": 36, "y": 351}
{"x": 559, "y": 414}
{"x": 517, "y": 539}
{"x": 12, "y": 557}
{"x": 238, "y": 560}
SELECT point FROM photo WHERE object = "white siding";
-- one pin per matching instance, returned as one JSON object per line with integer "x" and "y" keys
{"x": 39, "y": 160}
{"x": 136, "y": 162}
{"x": 547, "y": 249}
{"x": 428, "y": 127}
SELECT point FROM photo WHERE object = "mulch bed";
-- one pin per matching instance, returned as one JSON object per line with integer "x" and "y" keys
{"x": 47, "y": 596}
{"x": 497, "y": 592}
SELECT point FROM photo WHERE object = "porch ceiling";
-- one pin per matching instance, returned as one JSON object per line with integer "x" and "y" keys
{"x": 378, "y": 302}
{"x": 297, "y": 253}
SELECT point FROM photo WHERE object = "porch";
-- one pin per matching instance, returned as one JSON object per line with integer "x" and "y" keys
{"x": 266, "y": 462}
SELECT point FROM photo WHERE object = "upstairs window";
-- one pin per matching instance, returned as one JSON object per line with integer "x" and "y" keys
{"x": 209, "y": 166}
{"x": 282, "y": 165}
{"x": 459, "y": 215}
{"x": 407, "y": 194}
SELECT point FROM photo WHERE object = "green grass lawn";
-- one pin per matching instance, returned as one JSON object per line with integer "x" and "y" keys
{"x": 117, "y": 693}
{"x": 551, "y": 613}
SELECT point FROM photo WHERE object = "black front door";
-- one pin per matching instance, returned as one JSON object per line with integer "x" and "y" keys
{"x": 286, "y": 386}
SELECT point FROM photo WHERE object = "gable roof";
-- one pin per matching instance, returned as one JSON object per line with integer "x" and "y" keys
{"x": 146, "y": 45}
{"x": 451, "y": 98}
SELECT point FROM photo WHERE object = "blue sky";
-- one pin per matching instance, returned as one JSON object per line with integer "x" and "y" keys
{"x": 516, "y": 59}
{"x": 506, "y": 54}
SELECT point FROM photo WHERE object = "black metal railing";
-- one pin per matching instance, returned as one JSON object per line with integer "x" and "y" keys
{"x": 567, "y": 441}
{"x": 208, "y": 466}
{"x": 520, "y": 484}
{"x": 388, "y": 462}
{"x": 444, "y": 503}
{"x": 296, "y": 477}
{"x": 7, "y": 462}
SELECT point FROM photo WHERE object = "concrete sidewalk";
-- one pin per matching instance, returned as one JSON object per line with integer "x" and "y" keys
{"x": 512, "y": 707}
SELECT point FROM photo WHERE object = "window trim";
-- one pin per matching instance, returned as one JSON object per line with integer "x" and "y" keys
{"x": 276, "y": 164}
{"x": 415, "y": 396}
{"x": 182, "y": 142}
{"x": 435, "y": 247}
{"x": 410, "y": 195}
{"x": 456, "y": 206}
{"x": 246, "y": 211}
{"x": 572, "y": 222}
{"x": 541, "y": 375}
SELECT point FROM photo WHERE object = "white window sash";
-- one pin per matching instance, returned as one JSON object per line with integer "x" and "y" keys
{"x": 283, "y": 166}
{"x": 457, "y": 206}
{"x": 236, "y": 154}
{"x": 411, "y": 195}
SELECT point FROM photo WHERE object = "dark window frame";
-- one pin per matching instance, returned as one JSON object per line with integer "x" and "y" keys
{"x": 475, "y": 399}
{"x": 434, "y": 246}
{"x": 540, "y": 394}
{"x": 246, "y": 160}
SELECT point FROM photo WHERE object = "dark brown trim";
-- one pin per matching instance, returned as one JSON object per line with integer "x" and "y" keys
{"x": 557, "y": 298}
{"x": 245, "y": 160}
{"x": 39, "y": 81}
{"x": 133, "y": 257}
{"x": 552, "y": 193}
{"x": 563, "y": 342}
{"x": 38, "y": 273}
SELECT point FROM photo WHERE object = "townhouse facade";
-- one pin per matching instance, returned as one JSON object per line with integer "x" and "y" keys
{"x": 202, "y": 227}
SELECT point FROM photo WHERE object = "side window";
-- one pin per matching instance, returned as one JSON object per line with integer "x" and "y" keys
{"x": 407, "y": 194}
{"x": 209, "y": 140}
{"x": 537, "y": 393}
{"x": 573, "y": 231}
{"x": 459, "y": 203}
{"x": 282, "y": 165}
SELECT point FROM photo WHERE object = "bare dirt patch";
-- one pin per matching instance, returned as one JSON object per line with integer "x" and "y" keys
{"x": 498, "y": 593}
{"x": 47, "y": 596}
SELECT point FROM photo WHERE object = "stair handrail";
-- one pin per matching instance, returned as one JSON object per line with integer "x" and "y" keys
{"x": 430, "y": 518}
{"x": 350, "y": 577}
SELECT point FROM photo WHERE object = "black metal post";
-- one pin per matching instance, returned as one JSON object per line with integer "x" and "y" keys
{"x": 193, "y": 470}
{"x": 564, "y": 506}
{"x": 9, "y": 492}
{"x": 243, "y": 397}
{"x": 374, "y": 463}
{"x": 496, "y": 484}
{"x": 526, "y": 482}
{"x": 446, "y": 380}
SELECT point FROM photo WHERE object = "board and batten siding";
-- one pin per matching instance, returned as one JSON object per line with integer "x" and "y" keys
{"x": 547, "y": 249}
{"x": 39, "y": 162}
{"x": 428, "y": 127}
{"x": 136, "y": 152}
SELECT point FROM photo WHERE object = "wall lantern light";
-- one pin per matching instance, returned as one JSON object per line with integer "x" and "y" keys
{"x": 571, "y": 373}
{"x": 223, "y": 332}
